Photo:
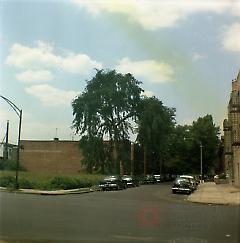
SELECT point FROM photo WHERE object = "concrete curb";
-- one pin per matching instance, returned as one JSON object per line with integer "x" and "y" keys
{"x": 213, "y": 203}
{"x": 51, "y": 193}
{"x": 209, "y": 203}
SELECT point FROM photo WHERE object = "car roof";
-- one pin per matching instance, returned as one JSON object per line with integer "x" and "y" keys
{"x": 182, "y": 179}
{"x": 186, "y": 176}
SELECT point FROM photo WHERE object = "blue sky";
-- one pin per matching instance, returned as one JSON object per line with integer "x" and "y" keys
{"x": 186, "y": 53}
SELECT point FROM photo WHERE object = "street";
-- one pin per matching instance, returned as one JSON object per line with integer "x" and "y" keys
{"x": 149, "y": 213}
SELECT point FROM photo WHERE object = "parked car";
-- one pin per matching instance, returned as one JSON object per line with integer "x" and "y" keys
{"x": 192, "y": 181}
{"x": 112, "y": 182}
{"x": 130, "y": 181}
{"x": 149, "y": 179}
{"x": 181, "y": 185}
{"x": 159, "y": 178}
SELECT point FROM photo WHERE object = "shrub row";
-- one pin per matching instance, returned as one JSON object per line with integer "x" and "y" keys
{"x": 55, "y": 183}
{"x": 10, "y": 165}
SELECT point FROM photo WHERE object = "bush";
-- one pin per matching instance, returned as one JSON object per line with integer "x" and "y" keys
{"x": 68, "y": 183}
{"x": 7, "y": 181}
{"x": 26, "y": 184}
{"x": 62, "y": 183}
{"x": 10, "y": 165}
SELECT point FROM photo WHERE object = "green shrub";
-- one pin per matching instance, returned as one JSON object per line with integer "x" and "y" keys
{"x": 26, "y": 184}
{"x": 62, "y": 183}
{"x": 68, "y": 183}
{"x": 81, "y": 183}
{"x": 7, "y": 181}
{"x": 10, "y": 165}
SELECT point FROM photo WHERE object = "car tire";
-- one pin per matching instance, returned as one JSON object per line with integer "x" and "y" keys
{"x": 173, "y": 191}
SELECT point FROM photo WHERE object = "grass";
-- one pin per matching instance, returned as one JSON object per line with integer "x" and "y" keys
{"x": 49, "y": 181}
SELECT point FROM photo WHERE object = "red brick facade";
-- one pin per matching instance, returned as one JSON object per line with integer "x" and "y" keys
{"x": 51, "y": 156}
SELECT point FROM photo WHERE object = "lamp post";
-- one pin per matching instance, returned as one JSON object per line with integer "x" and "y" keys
{"x": 19, "y": 114}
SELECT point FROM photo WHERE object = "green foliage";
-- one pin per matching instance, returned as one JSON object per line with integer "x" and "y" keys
{"x": 7, "y": 181}
{"x": 155, "y": 125}
{"x": 95, "y": 153}
{"x": 108, "y": 107}
{"x": 48, "y": 181}
{"x": 10, "y": 165}
{"x": 26, "y": 184}
{"x": 69, "y": 183}
{"x": 185, "y": 147}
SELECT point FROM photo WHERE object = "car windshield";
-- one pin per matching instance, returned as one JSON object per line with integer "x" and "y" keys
{"x": 178, "y": 181}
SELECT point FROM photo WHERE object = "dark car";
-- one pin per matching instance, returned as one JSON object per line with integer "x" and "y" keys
{"x": 130, "y": 181}
{"x": 182, "y": 185}
{"x": 192, "y": 181}
{"x": 149, "y": 179}
{"x": 112, "y": 183}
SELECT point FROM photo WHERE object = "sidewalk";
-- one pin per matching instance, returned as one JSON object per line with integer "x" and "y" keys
{"x": 210, "y": 193}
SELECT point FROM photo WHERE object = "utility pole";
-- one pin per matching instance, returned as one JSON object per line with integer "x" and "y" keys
{"x": 19, "y": 114}
{"x": 6, "y": 143}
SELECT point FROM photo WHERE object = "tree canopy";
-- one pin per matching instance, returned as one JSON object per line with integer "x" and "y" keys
{"x": 109, "y": 108}
{"x": 155, "y": 124}
{"x": 109, "y": 103}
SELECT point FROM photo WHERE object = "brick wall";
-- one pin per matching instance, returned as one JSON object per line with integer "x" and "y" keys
{"x": 51, "y": 156}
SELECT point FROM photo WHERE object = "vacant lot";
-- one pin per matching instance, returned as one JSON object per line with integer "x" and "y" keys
{"x": 49, "y": 181}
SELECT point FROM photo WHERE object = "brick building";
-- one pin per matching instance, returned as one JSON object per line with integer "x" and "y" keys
{"x": 231, "y": 128}
{"x": 51, "y": 156}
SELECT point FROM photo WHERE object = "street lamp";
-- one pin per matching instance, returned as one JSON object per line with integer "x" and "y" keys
{"x": 19, "y": 114}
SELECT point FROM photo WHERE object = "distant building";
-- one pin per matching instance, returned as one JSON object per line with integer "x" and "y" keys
{"x": 51, "y": 156}
{"x": 231, "y": 128}
{"x": 8, "y": 151}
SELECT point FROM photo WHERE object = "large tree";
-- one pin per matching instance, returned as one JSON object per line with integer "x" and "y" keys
{"x": 155, "y": 124}
{"x": 185, "y": 147}
{"x": 108, "y": 107}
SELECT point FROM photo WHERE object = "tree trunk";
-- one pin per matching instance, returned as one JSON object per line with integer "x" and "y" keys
{"x": 115, "y": 157}
{"x": 145, "y": 159}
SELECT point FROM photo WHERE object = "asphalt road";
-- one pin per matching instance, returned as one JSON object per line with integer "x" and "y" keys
{"x": 146, "y": 214}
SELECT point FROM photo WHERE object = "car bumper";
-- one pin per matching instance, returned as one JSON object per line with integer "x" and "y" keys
{"x": 108, "y": 186}
{"x": 181, "y": 190}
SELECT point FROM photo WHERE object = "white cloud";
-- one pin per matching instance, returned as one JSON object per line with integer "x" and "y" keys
{"x": 51, "y": 96}
{"x": 152, "y": 14}
{"x": 231, "y": 39}
{"x": 148, "y": 93}
{"x": 43, "y": 57}
{"x": 31, "y": 76}
{"x": 150, "y": 70}
{"x": 197, "y": 56}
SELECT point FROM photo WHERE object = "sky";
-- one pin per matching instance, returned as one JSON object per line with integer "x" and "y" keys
{"x": 185, "y": 52}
